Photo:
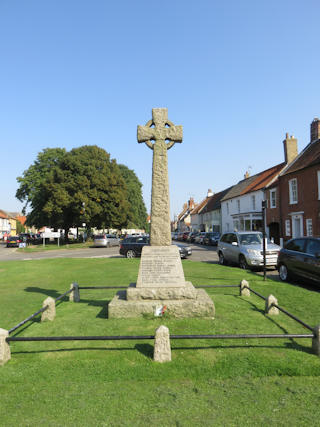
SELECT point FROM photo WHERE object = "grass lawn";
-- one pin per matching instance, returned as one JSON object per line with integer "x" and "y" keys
{"x": 115, "y": 383}
{"x": 54, "y": 246}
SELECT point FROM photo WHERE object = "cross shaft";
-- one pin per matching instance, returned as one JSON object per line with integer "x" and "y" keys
{"x": 160, "y": 231}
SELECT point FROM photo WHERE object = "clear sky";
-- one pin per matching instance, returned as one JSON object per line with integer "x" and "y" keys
{"x": 236, "y": 74}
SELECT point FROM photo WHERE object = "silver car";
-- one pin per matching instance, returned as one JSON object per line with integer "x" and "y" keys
{"x": 105, "y": 240}
{"x": 245, "y": 248}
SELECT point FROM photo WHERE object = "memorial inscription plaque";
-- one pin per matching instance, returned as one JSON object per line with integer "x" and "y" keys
{"x": 160, "y": 267}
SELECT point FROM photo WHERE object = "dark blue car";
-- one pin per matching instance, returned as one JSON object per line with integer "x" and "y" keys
{"x": 300, "y": 258}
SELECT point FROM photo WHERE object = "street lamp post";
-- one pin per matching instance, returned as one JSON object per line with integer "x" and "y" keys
{"x": 264, "y": 205}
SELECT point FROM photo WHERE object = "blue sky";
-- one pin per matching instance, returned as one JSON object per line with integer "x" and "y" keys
{"x": 237, "y": 75}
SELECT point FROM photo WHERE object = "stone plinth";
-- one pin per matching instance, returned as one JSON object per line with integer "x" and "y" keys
{"x": 201, "y": 306}
{"x": 161, "y": 284}
{"x": 141, "y": 294}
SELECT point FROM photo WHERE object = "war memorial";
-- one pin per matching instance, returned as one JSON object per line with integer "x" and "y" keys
{"x": 161, "y": 285}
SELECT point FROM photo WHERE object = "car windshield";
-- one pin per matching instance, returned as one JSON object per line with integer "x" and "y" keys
{"x": 250, "y": 239}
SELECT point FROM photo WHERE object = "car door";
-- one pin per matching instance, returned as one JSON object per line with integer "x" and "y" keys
{"x": 223, "y": 245}
{"x": 113, "y": 240}
{"x": 295, "y": 255}
{"x": 312, "y": 260}
{"x": 233, "y": 248}
{"x": 140, "y": 243}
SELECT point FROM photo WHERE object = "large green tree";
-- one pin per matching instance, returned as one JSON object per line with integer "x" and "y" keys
{"x": 64, "y": 189}
{"x": 137, "y": 214}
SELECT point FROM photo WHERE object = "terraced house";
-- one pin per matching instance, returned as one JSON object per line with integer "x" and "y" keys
{"x": 241, "y": 207}
{"x": 299, "y": 190}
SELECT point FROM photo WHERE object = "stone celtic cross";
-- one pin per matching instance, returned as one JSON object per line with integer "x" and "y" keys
{"x": 160, "y": 130}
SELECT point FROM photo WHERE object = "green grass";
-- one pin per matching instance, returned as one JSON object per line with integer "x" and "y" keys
{"x": 54, "y": 246}
{"x": 111, "y": 383}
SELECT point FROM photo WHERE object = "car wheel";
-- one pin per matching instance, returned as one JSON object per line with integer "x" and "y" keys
{"x": 283, "y": 273}
{"x": 222, "y": 260}
{"x": 243, "y": 263}
{"x": 130, "y": 254}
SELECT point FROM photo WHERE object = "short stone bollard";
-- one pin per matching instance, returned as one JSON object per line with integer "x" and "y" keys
{"x": 244, "y": 288}
{"x": 75, "y": 294}
{"x": 5, "y": 353}
{"x": 162, "y": 348}
{"x": 316, "y": 340}
{"x": 269, "y": 307}
{"x": 50, "y": 312}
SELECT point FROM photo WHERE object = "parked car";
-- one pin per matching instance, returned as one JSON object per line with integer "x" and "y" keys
{"x": 27, "y": 238}
{"x": 105, "y": 240}
{"x": 191, "y": 236}
{"x": 199, "y": 238}
{"x": 245, "y": 248}
{"x": 180, "y": 236}
{"x": 132, "y": 247}
{"x": 300, "y": 258}
{"x": 211, "y": 238}
{"x": 185, "y": 236}
{"x": 13, "y": 241}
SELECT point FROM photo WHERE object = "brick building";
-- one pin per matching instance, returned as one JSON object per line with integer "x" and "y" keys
{"x": 272, "y": 191}
{"x": 299, "y": 187}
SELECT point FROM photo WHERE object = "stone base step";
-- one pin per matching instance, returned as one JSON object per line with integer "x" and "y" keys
{"x": 201, "y": 306}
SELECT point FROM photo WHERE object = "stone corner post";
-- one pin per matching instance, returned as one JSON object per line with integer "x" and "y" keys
{"x": 75, "y": 293}
{"x": 269, "y": 307}
{"x": 50, "y": 312}
{"x": 5, "y": 353}
{"x": 244, "y": 288}
{"x": 316, "y": 340}
{"x": 162, "y": 348}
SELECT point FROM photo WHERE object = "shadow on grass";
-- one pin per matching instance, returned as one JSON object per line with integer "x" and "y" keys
{"x": 255, "y": 308}
{"x": 313, "y": 287}
{"x": 147, "y": 349}
{"x": 288, "y": 345}
{"x": 61, "y": 350}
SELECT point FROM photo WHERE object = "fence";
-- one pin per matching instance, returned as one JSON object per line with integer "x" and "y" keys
{"x": 271, "y": 307}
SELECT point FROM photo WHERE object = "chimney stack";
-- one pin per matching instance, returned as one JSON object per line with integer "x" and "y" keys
{"x": 209, "y": 193}
{"x": 290, "y": 145}
{"x": 191, "y": 203}
{"x": 315, "y": 130}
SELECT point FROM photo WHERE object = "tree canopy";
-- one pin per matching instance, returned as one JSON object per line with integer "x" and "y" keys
{"x": 64, "y": 189}
{"x": 137, "y": 214}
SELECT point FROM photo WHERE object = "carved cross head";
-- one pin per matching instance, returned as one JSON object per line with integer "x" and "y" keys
{"x": 159, "y": 129}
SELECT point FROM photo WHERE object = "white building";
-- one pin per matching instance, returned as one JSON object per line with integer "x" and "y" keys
{"x": 241, "y": 207}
